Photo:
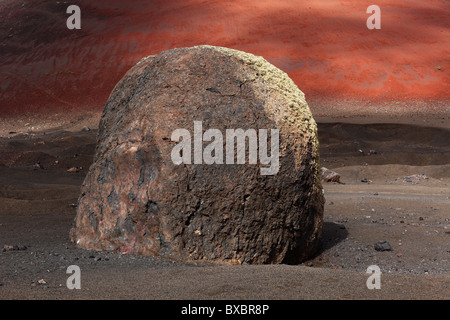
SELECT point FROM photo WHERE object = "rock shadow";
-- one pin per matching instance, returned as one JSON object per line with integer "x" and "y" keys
{"x": 332, "y": 234}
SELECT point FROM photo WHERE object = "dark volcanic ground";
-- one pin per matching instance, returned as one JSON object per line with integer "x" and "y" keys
{"x": 404, "y": 201}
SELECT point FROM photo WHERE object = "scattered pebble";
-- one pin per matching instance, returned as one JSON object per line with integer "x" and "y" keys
{"x": 382, "y": 245}
{"x": 38, "y": 165}
{"x": 414, "y": 179}
{"x": 13, "y": 248}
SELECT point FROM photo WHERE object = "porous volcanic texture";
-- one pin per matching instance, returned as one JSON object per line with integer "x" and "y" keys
{"x": 135, "y": 199}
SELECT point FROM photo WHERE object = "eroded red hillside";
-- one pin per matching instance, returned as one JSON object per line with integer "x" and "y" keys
{"x": 324, "y": 46}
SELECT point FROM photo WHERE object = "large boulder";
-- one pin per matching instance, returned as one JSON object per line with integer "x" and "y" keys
{"x": 156, "y": 188}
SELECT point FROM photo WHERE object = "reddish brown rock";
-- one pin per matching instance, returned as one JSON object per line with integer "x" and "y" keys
{"x": 329, "y": 175}
{"x": 137, "y": 200}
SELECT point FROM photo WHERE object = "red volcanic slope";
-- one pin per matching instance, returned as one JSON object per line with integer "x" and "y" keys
{"x": 324, "y": 45}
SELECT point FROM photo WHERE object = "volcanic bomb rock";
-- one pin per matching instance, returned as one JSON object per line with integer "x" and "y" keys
{"x": 136, "y": 199}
